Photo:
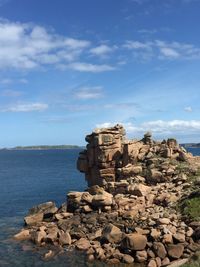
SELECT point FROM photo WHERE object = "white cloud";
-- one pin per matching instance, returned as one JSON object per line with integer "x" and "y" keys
{"x": 188, "y": 109}
{"x": 138, "y": 45}
{"x": 26, "y": 107}
{"x": 162, "y": 49}
{"x": 8, "y": 81}
{"x": 159, "y": 127}
{"x": 102, "y": 50}
{"x": 88, "y": 67}
{"x": 169, "y": 52}
{"x": 89, "y": 93}
{"x": 147, "y": 31}
{"x": 26, "y": 46}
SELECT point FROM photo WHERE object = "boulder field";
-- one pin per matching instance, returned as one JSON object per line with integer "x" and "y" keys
{"x": 140, "y": 204}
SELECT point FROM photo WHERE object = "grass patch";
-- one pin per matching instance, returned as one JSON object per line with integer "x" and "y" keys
{"x": 195, "y": 262}
{"x": 191, "y": 208}
{"x": 193, "y": 177}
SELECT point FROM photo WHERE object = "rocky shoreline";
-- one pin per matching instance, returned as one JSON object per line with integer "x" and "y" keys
{"x": 135, "y": 208}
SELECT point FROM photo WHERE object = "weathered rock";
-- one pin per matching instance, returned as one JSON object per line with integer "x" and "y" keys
{"x": 165, "y": 261}
{"x": 159, "y": 249}
{"x": 152, "y": 263}
{"x": 134, "y": 242}
{"x": 33, "y": 219}
{"x": 86, "y": 197}
{"x": 158, "y": 261}
{"x": 127, "y": 259}
{"x": 104, "y": 199}
{"x": 23, "y": 235}
{"x": 175, "y": 251}
{"x": 167, "y": 239}
{"x": 65, "y": 239}
{"x": 155, "y": 176}
{"x": 83, "y": 244}
{"x": 38, "y": 237}
{"x": 139, "y": 190}
{"x": 52, "y": 234}
{"x": 112, "y": 234}
{"x": 163, "y": 220}
{"x": 141, "y": 256}
{"x": 179, "y": 237}
{"x": 155, "y": 234}
{"x": 47, "y": 208}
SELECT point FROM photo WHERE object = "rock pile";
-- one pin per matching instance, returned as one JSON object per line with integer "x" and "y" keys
{"x": 129, "y": 211}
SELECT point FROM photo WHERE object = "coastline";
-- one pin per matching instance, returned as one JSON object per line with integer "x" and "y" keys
{"x": 131, "y": 219}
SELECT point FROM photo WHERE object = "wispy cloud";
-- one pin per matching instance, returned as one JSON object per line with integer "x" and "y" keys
{"x": 88, "y": 67}
{"x": 169, "y": 52}
{"x": 11, "y": 93}
{"x": 102, "y": 50}
{"x": 6, "y": 81}
{"x": 163, "y": 50}
{"x": 86, "y": 93}
{"x": 28, "y": 107}
{"x": 148, "y": 31}
{"x": 188, "y": 109}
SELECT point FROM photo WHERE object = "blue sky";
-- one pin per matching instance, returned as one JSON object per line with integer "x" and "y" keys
{"x": 67, "y": 67}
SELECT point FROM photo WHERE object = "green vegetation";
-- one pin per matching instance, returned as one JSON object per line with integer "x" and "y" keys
{"x": 45, "y": 147}
{"x": 195, "y": 262}
{"x": 192, "y": 264}
{"x": 193, "y": 177}
{"x": 191, "y": 208}
{"x": 182, "y": 167}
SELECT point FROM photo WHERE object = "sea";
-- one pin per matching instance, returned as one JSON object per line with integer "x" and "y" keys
{"x": 30, "y": 177}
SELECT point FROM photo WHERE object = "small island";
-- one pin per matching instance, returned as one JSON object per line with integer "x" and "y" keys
{"x": 192, "y": 145}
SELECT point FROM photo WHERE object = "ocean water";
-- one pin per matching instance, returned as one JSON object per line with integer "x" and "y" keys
{"x": 28, "y": 178}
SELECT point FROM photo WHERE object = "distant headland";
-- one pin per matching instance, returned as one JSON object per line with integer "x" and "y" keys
{"x": 193, "y": 145}
{"x": 43, "y": 147}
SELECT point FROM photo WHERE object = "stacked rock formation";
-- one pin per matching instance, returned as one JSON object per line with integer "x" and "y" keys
{"x": 102, "y": 157}
{"x": 109, "y": 157}
{"x": 129, "y": 211}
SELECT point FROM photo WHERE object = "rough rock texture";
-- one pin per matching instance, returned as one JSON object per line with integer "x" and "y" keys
{"x": 109, "y": 157}
{"x": 129, "y": 211}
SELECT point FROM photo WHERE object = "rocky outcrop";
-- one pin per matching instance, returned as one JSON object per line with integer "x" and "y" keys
{"x": 110, "y": 157}
{"x": 129, "y": 211}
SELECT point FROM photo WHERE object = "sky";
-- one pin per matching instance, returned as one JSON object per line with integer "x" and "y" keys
{"x": 68, "y": 67}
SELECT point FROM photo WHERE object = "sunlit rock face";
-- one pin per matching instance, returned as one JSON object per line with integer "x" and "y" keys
{"x": 110, "y": 157}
